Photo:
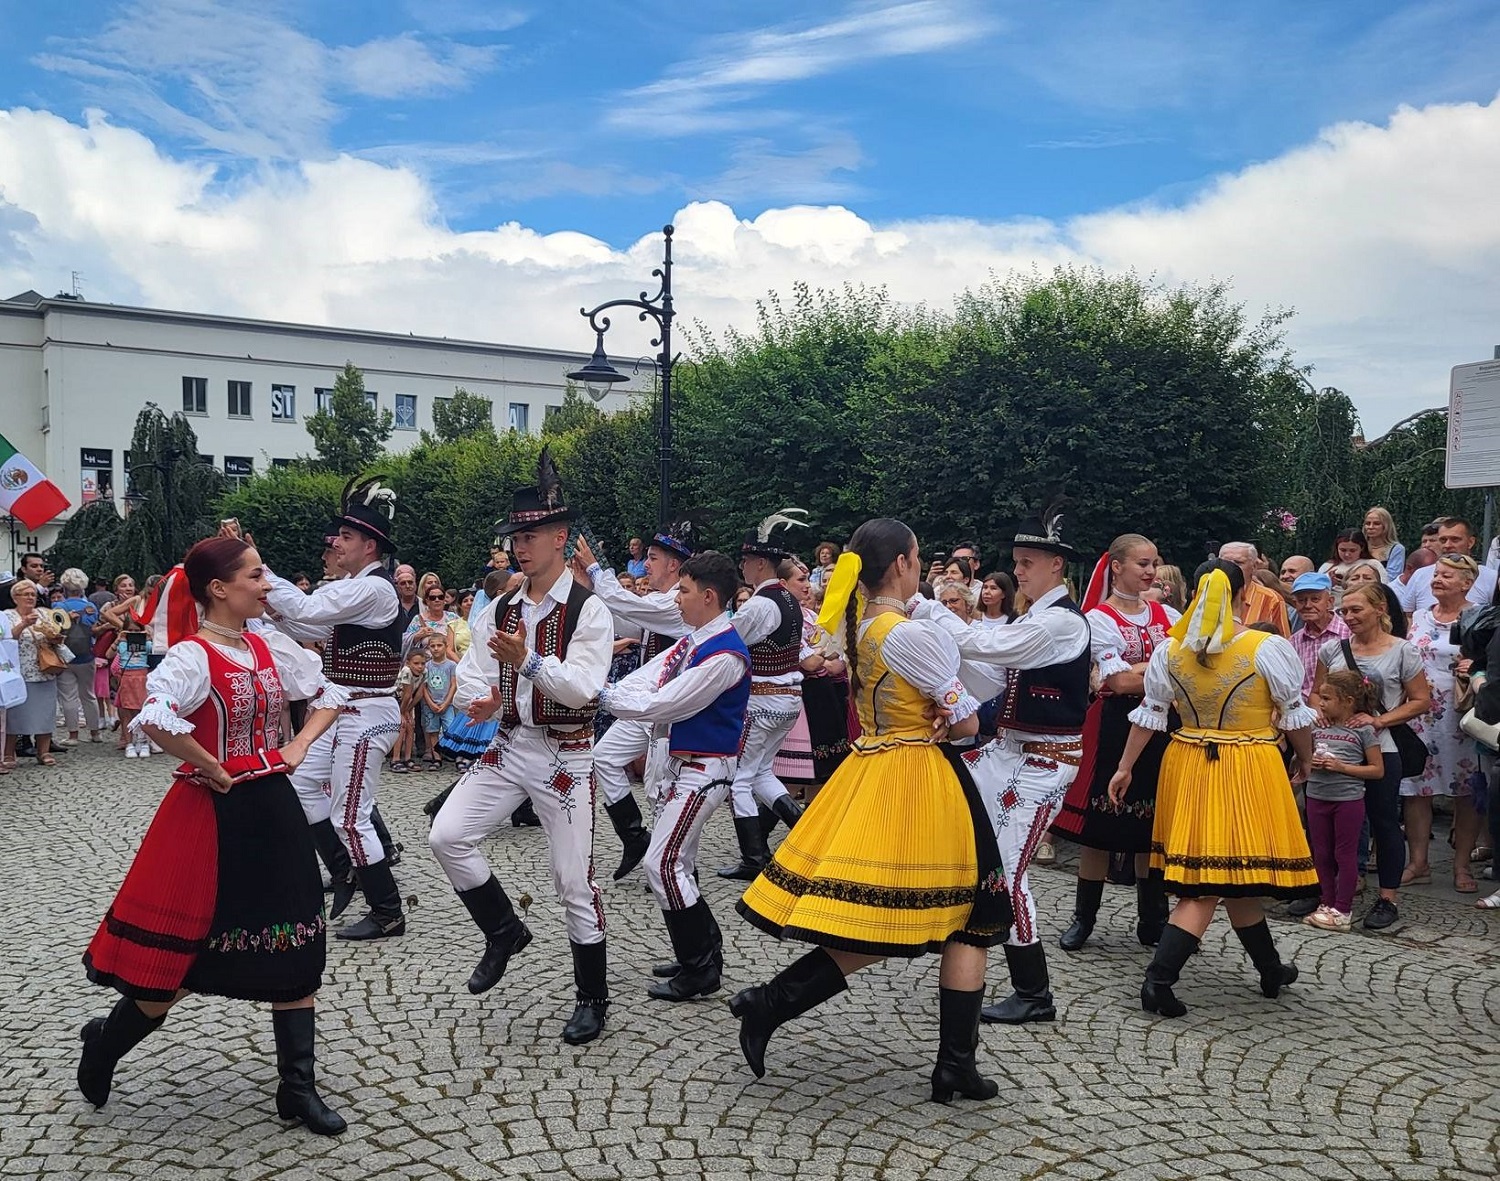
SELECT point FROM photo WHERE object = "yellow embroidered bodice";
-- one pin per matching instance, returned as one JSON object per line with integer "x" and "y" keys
{"x": 891, "y": 708}
{"x": 1225, "y": 700}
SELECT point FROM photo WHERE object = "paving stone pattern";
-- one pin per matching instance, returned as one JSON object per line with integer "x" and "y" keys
{"x": 1380, "y": 1063}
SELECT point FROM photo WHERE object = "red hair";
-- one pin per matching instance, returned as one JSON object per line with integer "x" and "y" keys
{"x": 212, "y": 558}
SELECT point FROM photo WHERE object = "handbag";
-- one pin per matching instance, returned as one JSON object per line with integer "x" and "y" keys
{"x": 48, "y": 660}
{"x": 1486, "y": 734}
{"x": 12, "y": 683}
{"x": 1410, "y": 749}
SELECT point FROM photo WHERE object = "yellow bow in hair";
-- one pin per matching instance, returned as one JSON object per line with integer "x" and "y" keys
{"x": 1208, "y": 625}
{"x": 843, "y": 583}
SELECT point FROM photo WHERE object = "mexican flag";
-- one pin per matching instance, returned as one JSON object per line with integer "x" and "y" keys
{"x": 25, "y": 493}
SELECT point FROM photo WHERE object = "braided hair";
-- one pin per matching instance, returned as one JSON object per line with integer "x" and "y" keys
{"x": 878, "y": 543}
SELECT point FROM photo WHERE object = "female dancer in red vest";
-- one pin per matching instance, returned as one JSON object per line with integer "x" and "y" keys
{"x": 1125, "y": 628}
{"x": 224, "y": 896}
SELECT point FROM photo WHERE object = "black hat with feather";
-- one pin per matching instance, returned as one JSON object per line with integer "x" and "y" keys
{"x": 367, "y": 507}
{"x": 679, "y": 538}
{"x": 766, "y": 540}
{"x": 1044, "y": 532}
{"x": 543, "y": 504}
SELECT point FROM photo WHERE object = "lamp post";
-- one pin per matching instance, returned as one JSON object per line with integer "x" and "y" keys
{"x": 599, "y": 375}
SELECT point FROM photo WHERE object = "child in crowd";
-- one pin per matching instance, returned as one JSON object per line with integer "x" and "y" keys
{"x": 1345, "y": 758}
{"x": 409, "y": 683}
{"x": 132, "y": 653}
{"x": 438, "y": 687}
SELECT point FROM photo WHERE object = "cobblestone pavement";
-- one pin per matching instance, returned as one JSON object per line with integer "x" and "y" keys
{"x": 1380, "y": 1063}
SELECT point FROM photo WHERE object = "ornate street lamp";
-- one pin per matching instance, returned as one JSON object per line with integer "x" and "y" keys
{"x": 598, "y": 376}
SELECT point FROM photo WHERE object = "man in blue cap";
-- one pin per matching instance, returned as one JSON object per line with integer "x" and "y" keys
{"x": 1312, "y": 595}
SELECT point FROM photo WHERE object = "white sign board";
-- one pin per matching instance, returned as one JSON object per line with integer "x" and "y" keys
{"x": 1474, "y": 426}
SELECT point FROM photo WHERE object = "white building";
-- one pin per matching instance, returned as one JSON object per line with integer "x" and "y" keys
{"x": 74, "y": 375}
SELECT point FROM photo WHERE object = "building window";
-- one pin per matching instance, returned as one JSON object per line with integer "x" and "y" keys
{"x": 283, "y": 403}
{"x": 519, "y": 415}
{"x": 281, "y": 463}
{"x": 406, "y": 412}
{"x": 239, "y": 399}
{"x": 323, "y": 400}
{"x": 97, "y": 465}
{"x": 440, "y": 404}
{"x": 373, "y": 399}
{"x": 237, "y": 470}
{"x": 195, "y": 395}
{"x": 550, "y": 409}
{"x": 206, "y": 460}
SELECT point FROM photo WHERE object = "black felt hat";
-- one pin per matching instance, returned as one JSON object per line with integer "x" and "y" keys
{"x": 369, "y": 508}
{"x": 538, "y": 505}
{"x": 769, "y": 538}
{"x": 1043, "y": 532}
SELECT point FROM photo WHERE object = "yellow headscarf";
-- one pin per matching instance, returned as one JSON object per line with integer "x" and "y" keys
{"x": 1208, "y": 626}
{"x": 843, "y": 583}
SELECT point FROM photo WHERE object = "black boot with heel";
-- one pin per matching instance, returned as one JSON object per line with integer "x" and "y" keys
{"x": 108, "y": 1039}
{"x": 297, "y": 1097}
{"x": 958, "y": 1039}
{"x": 1274, "y": 975}
{"x": 800, "y": 986}
{"x": 1085, "y": 911}
{"x": 1174, "y": 950}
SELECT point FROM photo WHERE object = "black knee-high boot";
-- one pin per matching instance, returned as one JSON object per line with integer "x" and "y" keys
{"x": 388, "y": 842}
{"x": 755, "y": 853}
{"x": 1032, "y": 998}
{"x": 1274, "y": 975}
{"x": 1162, "y": 972}
{"x": 958, "y": 1039}
{"x": 1151, "y": 909}
{"x": 1085, "y": 911}
{"x": 629, "y": 825}
{"x": 297, "y": 1097}
{"x": 340, "y": 868}
{"x": 591, "y": 980}
{"x": 802, "y": 985}
{"x": 108, "y": 1039}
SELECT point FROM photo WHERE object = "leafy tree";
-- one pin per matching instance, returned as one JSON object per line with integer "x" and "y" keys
{"x": 350, "y": 434}
{"x": 96, "y": 541}
{"x": 461, "y": 416}
{"x": 577, "y": 412}
{"x": 609, "y": 470}
{"x": 287, "y": 510}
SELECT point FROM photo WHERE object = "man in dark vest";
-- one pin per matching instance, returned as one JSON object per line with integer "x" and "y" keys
{"x": 357, "y": 620}
{"x": 538, "y": 660}
{"x": 693, "y": 696}
{"x": 771, "y": 626}
{"x": 1042, "y": 660}
{"x": 657, "y": 614}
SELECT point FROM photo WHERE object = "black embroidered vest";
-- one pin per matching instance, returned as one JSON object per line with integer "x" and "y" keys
{"x": 365, "y": 657}
{"x": 1050, "y": 700}
{"x": 653, "y": 644}
{"x": 778, "y": 654}
{"x": 552, "y": 637}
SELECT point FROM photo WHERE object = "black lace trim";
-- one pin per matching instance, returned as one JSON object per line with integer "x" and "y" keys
{"x": 864, "y": 894}
{"x": 154, "y": 939}
{"x": 1282, "y": 864}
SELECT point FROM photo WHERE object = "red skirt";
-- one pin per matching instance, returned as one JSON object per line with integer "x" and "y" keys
{"x": 161, "y": 917}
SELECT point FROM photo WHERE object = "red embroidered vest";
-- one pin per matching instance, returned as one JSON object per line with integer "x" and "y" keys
{"x": 239, "y": 721}
{"x": 1140, "y": 641}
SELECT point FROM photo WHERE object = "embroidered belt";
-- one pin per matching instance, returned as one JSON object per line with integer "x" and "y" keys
{"x": 579, "y": 735}
{"x": 367, "y": 694}
{"x": 1070, "y": 753}
{"x": 762, "y": 689}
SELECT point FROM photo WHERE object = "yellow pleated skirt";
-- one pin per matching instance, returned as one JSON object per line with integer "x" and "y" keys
{"x": 883, "y": 862}
{"x": 1227, "y": 826}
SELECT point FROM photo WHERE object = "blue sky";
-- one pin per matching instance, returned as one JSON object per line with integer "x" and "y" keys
{"x": 602, "y": 120}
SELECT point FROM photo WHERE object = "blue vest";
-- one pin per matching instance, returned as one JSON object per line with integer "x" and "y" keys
{"x": 719, "y": 728}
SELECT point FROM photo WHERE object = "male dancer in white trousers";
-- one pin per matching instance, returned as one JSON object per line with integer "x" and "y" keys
{"x": 771, "y": 626}
{"x": 1044, "y": 658}
{"x": 656, "y": 612}
{"x": 538, "y": 659}
{"x": 357, "y": 619}
{"x": 694, "y": 697}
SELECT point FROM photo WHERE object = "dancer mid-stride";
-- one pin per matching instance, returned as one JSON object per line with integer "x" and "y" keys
{"x": 895, "y": 856}
{"x": 224, "y": 896}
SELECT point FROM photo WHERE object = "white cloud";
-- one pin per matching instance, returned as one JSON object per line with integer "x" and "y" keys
{"x": 1383, "y": 238}
{"x": 707, "y": 93}
{"x": 391, "y": 67}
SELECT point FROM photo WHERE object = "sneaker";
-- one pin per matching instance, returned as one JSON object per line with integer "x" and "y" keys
{"x": 1381, "y": 915}
{"x": 1330, "y": 920}
{"x": 143, "y": 751}
{"x": 1312, "y": 919}
{"x": 131, "y": 752}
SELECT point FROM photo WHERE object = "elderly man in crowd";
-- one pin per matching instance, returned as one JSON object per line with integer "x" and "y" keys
{"x": 1313, "y": 595}
{"x": 1262, "y": 604}
{"x": 405, "y": 579}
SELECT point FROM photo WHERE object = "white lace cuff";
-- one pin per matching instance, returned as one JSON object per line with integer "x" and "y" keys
{"x": 1150, "y": 715}
{"x": 1111, "y": 663}
{"x": 161, "y": 713}
{"x": 957, "y": 704}
{"x": 1300, "y": 717}
{"x": 330, "y": 696}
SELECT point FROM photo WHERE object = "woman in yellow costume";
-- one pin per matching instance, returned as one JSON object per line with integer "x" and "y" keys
{"x": 895, "y": 856}
{"x": 1226, "y": 822}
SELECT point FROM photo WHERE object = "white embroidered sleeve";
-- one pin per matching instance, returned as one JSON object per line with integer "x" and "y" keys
{"x": 174, "y": 689}
{"x": 1107, "y": 642}
{"x": 928, "y": 658}
{"x": 1151, "y": 714}
{"x": 1278, "y": 662}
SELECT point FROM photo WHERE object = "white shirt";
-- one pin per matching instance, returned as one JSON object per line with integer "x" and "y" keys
{"x": 572, "y": 683}
{"x": 1417, "y": 593}
{"x": 688, "y": 693}
{"x": 357, "y": 601}
{"x": 301, "y": 669}
{"x": 180, "y": 684}
{"x": 1036, "y": 639}
{"x": 655, "y": 611}
{"x": 1108, "y": 641}
{"x": 756, "y": 620}
{"x": 1275, "y": 660}
{"x": 926, "y": 657}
